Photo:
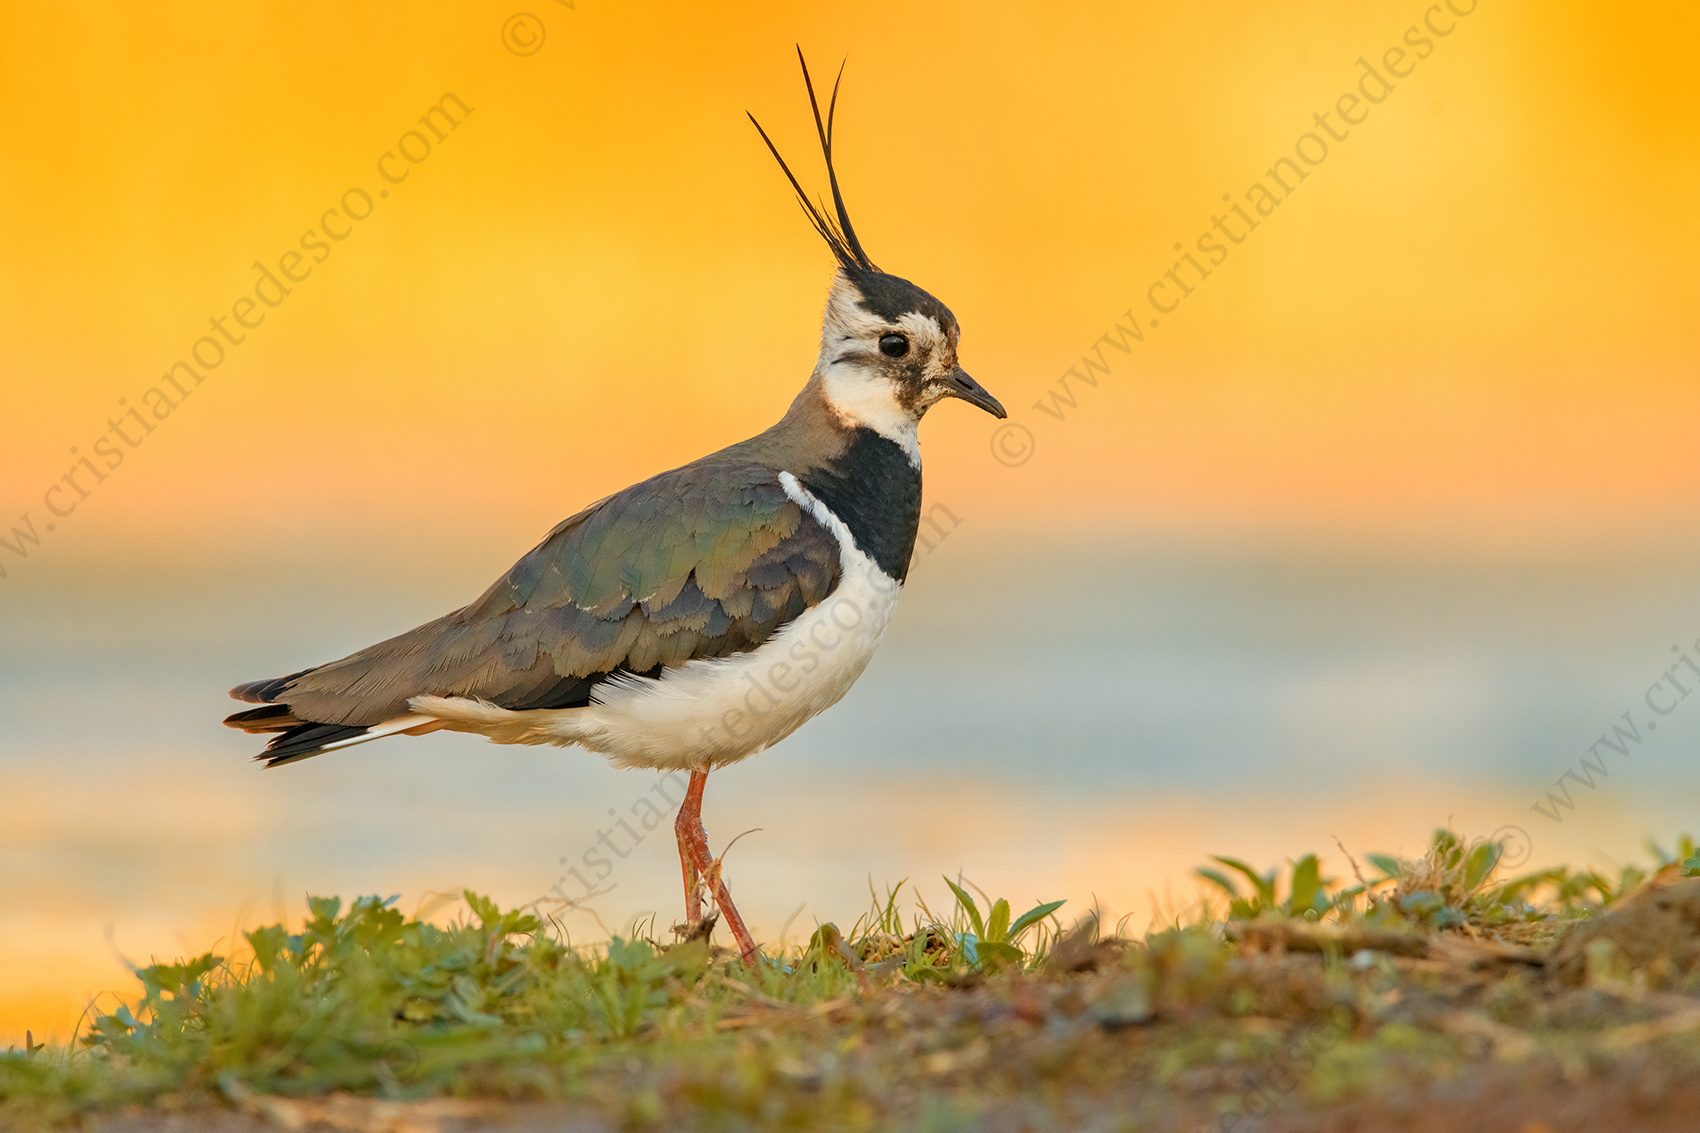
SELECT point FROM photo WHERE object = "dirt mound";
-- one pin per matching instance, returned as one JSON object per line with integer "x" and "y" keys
{"x": 1655, "y": 931}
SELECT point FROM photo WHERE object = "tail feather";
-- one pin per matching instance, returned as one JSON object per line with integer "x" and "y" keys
{"x": 308, "y": 740}
{"x": 299, "y": 738}
{"x": 264, "y": 692}
{"x": 266, "y": 718}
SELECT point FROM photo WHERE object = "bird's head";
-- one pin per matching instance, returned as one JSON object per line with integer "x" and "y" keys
{"x": 888, "y": 351}
{"x": 888, "y": 348}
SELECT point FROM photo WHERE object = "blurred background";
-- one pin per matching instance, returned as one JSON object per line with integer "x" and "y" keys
{"x": 1381, "y": 529}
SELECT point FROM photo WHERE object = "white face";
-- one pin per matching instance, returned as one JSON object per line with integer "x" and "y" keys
{"x": 881, "y": 373}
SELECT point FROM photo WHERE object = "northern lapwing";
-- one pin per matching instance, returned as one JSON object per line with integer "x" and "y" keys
{"x": 702, "y": 615}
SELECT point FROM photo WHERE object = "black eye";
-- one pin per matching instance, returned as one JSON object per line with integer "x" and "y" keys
{"x": 893, "y": 345}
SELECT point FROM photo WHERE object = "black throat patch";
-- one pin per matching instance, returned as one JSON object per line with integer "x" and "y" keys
{"x": 874, "y": 489}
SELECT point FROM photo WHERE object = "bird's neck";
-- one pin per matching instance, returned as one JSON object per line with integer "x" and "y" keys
{"x": 868, "y": 479}
{"x": 873, "y": 486}
{"x": 817, "y": 428}
{"x": 863, "y": 401}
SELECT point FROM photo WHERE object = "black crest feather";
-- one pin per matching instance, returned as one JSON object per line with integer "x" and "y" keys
{"x": 839, "y": 234}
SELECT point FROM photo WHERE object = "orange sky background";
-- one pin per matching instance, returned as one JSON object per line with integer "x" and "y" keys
{"x": 1476, "y": 316}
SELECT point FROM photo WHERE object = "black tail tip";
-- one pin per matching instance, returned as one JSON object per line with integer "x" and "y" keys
{"x": 306, "y": 741}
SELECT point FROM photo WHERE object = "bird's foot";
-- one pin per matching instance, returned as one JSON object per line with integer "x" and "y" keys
{"x": 710, "y": 870}
{"x": 746, "y": 943}
{"x": 697, "y": 929}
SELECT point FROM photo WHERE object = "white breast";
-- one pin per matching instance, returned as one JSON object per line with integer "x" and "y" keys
{"x": 714, "y": 711}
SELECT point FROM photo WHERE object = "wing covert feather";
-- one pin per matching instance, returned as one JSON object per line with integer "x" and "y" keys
{"x": 704, "y": 561}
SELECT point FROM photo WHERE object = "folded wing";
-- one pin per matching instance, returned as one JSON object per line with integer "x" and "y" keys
{"x": 704, "y": 561}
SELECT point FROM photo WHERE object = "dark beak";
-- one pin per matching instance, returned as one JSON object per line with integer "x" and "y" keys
{"x": 959, "y": 384}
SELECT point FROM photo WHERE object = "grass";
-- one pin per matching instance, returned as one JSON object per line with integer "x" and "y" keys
{"x": 922, "y": 1020}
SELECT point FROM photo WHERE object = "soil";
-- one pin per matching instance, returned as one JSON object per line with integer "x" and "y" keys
{"x": 1636, "y": 1099}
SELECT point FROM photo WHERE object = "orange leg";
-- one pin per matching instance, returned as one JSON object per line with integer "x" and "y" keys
{"x": 693, "y": 901}
{"x": 695, "y": 859}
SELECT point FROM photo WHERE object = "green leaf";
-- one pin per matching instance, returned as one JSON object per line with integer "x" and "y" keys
{"x": 1307, "y": 882}
{"x": 997, "y": 921}
{"x": 324, "y": 911}
{"x": 997, "y": 954}
{"x": 688, "y": 959}
{"x": 488, "y": 914}
{"x": 1219, "y": 879}
{"x": 1691, "y": 866}
{"x": 1033, "y": 916}
{"x": 1423, "y": 903}
{"x": 629, "y": 955}
{"x": 1519, "y": 887}
{"x": 1262, "y": 883}
{"x": 1386, "y": 863}
{"x": 268, "y": 944}
{"x": 969, "y": 907}
{"x": 514, "y": 923}
{"x": 1344, "y": 901}
{"x": 1480, "y": 866}
{"x": 179, "y": 979}
{"x": 826, "y": 937}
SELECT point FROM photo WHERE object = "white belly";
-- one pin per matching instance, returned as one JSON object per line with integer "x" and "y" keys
{"x": 714, "y": 711}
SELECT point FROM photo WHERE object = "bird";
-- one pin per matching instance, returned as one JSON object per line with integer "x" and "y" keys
{"x": 698, "y": 617}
